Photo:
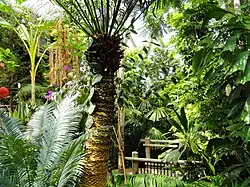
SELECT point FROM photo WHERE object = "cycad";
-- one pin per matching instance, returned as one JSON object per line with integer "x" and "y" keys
{"x": 105, "y": 21}
{"x": 46, "y": 152}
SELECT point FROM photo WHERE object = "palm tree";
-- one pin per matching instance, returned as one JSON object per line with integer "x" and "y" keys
{"x": 46, "y": 152}
{"x": 104, "y": 21}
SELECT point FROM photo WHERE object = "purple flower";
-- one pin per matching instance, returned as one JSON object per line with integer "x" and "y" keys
{"x": 67, "y": 68}
{"x": 49, "y": 95}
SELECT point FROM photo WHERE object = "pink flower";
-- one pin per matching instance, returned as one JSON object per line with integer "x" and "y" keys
{"x": 54, "y": 84}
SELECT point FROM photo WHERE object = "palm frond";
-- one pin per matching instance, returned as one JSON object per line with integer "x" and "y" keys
{"x": 39, "y": 119}
{"x": 17, "y": 158}
{"x": 157, "y": 114}
{"x": 57, "y": 132}
{"x": 73, "y": 163}
{"x": 9, "y": 126}
{"x": 156, "y": 134}
{"x": 55, "y": 158}
{"x": 104, "y": 17}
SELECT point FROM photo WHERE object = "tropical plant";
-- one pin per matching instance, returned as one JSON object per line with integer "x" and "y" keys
{"x": 30, "y": 34}
{"x": 105, "y": 22}
{"x": 192, "y": 143}
{"x": 48, "y": 151}
{"x": 147, "y": 180}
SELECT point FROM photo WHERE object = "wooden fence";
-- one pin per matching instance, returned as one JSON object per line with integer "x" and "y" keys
{"x": 156, "y": 166}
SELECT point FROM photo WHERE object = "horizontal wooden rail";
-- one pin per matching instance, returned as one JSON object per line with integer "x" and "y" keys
{"x": 161, "y": 145}
{"x": 158, "y": 160}
{"x": 1, "y": 106}
{"x": 162, "y": 141}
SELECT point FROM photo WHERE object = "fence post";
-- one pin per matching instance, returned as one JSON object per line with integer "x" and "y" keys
{"x": 147, "y": 148}
{"x": 135, "y": 164}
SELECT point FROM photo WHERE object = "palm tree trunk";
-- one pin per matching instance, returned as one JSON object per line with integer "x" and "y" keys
{"x": 104, "y": 57}
{"x": 98, "y": 146}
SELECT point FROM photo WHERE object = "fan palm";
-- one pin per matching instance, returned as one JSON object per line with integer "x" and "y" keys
{"x": 105, "y": 21}
{"x": 46, "y": 152}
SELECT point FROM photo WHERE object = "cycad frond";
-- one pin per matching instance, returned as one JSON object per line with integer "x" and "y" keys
{"x": 57, "y": 132}
{"x": 54, "y": 158}
{"x": 104, "y": 17}
{"x": 72, "y": 158}
{"x": 39, "y": 119}
{"x": 10, "y": 127}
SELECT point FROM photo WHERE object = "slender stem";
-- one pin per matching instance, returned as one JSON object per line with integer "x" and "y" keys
{"x": 129, "y": 9}
{"x": 122, "y": 156}
{"x": 84, "y": 16}
{"x": 107, "y": 19}
{"x": 95, "y": 21}
{"x": 102, "y": 15}
{"x": 136, "y": 18}
{"x": 76, "y": 22}
{"x": 116, "y": 10}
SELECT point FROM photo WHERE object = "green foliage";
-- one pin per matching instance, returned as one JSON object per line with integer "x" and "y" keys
{"x": 146, "y": 180}
{"x": 30, "y": 34}
{"x": 48, "y": 152}
{"x": 103, "y": 17}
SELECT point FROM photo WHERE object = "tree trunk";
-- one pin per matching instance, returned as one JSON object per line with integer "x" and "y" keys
{"x": 98, "y": 145}
{"x": 120, "y": 125}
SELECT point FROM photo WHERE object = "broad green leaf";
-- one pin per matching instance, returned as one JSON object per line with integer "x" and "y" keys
{"x": 236, "y": 93}
{"x": 184, "y": 120}
{"x": 23, "y": 32}
{"x": 235, "y": 109}
{"x": 246, "y": 73}
{"x": 241, "y": 62}
{"x": 215, "y": 143}
{"x": 197, "y": 59}
{"x": 174, "y": 155}
{"x": 176, "y": 125}
{"x": 4, "y": 23}
{"x": 231, "y": 43}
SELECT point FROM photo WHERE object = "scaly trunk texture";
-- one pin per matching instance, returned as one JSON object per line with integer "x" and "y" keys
{"x": 104, "y": 57}
{"x": 98, "y": 146}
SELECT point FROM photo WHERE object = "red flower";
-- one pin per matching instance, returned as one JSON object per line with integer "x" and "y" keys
{"x": 4, "y": 92}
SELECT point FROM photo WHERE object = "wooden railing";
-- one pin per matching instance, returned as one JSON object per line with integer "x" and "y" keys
{"x": 156, "y": 166}
{"x": 149, "y": 144}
